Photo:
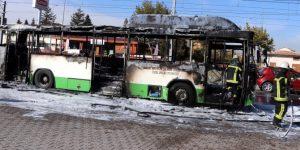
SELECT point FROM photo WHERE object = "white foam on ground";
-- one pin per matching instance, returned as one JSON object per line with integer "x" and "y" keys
{"x": 42, "y": 103}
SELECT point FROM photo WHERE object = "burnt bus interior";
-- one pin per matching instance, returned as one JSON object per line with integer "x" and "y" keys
{"x": 38, "y": 42}
{"x": 219, "y": 56}
{"x": 109, "y": 63}
{"x": 111, "y": 47}
{"x": 166, "y": 48}
{"x": 106, "y": 49}
{"x": 16, "y": 56}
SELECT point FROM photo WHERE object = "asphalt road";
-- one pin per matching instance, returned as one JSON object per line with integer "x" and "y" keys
{"x": 56, "y": 131}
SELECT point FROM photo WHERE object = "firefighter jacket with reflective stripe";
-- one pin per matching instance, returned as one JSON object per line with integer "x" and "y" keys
{"x": 281, "y": 89}
{"x": 233, "y": 74}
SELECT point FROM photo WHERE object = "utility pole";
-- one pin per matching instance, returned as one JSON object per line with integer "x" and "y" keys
{"x": 3, "y": 13}
{"x": 40, "y": 17}
{"x": 3, "y": 20}
{"x": 173, "y": 13}
{"x": 63, "y": 19}
{"x": 174, "y": 8}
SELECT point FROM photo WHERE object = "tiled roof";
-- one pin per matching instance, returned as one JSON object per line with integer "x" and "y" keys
{"x": 284, "y": 52}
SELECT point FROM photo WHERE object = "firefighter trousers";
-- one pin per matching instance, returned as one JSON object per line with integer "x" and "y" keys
{"x": 234, "y": 89}
{"x": 280, "y": 111}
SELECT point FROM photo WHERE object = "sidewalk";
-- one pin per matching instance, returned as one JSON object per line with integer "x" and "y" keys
{"x": 57, "y": 131}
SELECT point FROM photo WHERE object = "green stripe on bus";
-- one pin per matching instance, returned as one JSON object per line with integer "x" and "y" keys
{"x": 141, "y": 91}
{"x": 72, "y": 84}
{"x": 200, "y": 96}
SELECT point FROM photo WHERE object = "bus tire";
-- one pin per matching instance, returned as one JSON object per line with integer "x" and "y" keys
{"x": 182, "y": 94}
{"x": 43, "y": 79}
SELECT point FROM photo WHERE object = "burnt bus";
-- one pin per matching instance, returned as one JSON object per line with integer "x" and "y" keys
{"x": 181, "y": 60}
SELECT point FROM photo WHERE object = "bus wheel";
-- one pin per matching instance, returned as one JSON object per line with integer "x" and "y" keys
{"x": 43, "y": 79}
{"x": 182, "y": 94}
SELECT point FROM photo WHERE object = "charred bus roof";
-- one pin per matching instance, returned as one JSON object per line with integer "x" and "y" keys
{"x": 194, "y": 27}
{"x": 172, "y": 23}
{"x": 152, "y": 26}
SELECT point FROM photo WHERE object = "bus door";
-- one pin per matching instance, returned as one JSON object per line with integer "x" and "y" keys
{"x": 219, "y": 56}
{"x": 17, "y": 56}
{"x": 109, "y": 64}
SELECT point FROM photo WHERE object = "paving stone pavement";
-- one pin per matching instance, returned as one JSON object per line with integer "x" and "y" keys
{"x": 58, "y": 131}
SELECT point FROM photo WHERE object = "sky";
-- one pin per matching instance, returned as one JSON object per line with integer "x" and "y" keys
{"x": 280, "y": 18}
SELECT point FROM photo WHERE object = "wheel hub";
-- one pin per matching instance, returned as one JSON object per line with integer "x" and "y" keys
{"x": 44, "y": 80}
{"x": 267, "y": 87}
{"x": 181, "y": 95}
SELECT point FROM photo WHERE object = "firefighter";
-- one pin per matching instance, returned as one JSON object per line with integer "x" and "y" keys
{"x": 233, "y": 76}
{"x": 281, "y": 84}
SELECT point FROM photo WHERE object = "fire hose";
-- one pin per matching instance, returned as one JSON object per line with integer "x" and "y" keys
{"x": 291, "y": 121}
